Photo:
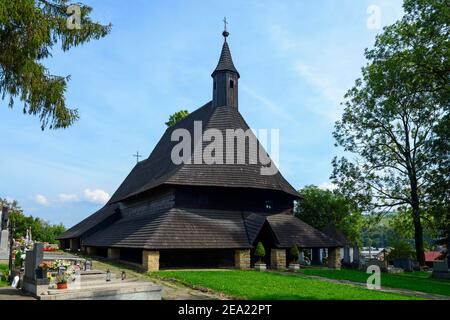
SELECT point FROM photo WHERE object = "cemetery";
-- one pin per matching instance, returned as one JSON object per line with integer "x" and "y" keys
{"x": 48, "y": 273}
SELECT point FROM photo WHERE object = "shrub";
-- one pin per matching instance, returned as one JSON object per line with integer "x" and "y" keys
{"x": 260, "y": 252}
{"x": 4, "y": 271}
{"x": 294, "y": 253}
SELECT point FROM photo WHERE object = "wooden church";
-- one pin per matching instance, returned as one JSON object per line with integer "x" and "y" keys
{"x": 189, "y": 215}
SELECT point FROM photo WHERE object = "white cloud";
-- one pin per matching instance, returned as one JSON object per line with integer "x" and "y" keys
{"x": 321, "y": 82}
{"x": 268, "y": 104}
{"x": 65, "y": 197}
{"x": 325, "y": 87}
{"x": 97, "y": 196}
{"x": 284, "y": 40}
{"x": 42, "y": 200}
{"x": 327, "y": 186}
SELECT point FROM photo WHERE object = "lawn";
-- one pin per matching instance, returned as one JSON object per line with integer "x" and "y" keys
{"x": 254, "y": 285}
{"x": 416, "y": 281}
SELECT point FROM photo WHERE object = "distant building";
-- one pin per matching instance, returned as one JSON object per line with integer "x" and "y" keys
{"x": 432, "y": 256}
{"x": 374, "y": 253}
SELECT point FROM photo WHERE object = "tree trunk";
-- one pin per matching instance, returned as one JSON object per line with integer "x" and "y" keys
{"x": 418, "y": 230}
{"x": 418, "y": 237}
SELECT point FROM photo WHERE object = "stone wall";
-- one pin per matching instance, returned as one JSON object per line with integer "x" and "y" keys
{"x": 278, "y": 258}
{"x": 242, "y": 259}
{"x": 114, "y": 253}
{"x": 150, "y": 260}
{"x": 334, "y": 258}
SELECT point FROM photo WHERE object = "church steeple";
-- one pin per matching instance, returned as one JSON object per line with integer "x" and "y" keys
{"x": 225, "y": 76}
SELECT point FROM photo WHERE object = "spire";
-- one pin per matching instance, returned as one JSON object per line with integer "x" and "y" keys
{"x": 225, "y": 76}
{"x": 225, "y": 60}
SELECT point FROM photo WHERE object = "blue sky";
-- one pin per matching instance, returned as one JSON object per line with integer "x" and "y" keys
{"x": 296, "y": 60}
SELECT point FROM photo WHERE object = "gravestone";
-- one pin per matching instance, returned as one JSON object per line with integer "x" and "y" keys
{"x": 32, "y": 260}
{"x": 405, "y": 264}
{"x": 440, "y": 270}
{"x": 87, "y": 265}
{"x": 4, "y": 236}
{"x": 381, "y": 264}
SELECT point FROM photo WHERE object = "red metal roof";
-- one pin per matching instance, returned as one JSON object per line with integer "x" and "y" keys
{"x": 432, "y": 255}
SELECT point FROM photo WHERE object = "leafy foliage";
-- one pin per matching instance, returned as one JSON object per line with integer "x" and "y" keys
{"x": 320, "y": 207}
{"x": 295, "y": 253}
{"x": 260, "y": 252}
{"x": 40, "y": 229}
{"x": 177, "y": 117}
{"x": 401, "y": 250}
{"x": 392, "y": 113}
{"x": 29, "y": 29}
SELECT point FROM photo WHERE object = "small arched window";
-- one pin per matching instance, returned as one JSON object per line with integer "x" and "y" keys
{"x": 231, "y": 84}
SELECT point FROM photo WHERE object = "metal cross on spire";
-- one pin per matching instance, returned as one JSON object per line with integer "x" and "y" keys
{"x": 225, "y": 22}
{"x": 137, "y": 155}
{"x": 225, "y": 32}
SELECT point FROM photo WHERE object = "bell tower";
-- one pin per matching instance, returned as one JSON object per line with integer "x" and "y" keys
{"x": 225, "y": 77}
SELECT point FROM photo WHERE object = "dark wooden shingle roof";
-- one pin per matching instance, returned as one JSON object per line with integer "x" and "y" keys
{"x": 90, "y": 222}
{"x": 175, "y": 228}
{"x": 333, "y": 232}
{"x": 159, "y": 169}
{"x": 225, "y": 60}
{"x": 187, "y": 228}
{"x": 290, "y": 230}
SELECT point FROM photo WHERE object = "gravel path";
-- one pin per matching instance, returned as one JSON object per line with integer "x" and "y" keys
{"x": 8, "y": 293}
{"x": 171, "y": 290}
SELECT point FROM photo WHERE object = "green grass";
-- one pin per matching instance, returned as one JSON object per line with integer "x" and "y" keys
{"x": 255, "y": 285}
{"x": 416, "y": 281}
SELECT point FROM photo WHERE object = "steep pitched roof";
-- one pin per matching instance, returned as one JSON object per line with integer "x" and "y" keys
{"x": 159, "y": 169}
{"x": 225, "y": 60}
{"x": 290, "y": 230}
{"x": 254, "y": 223}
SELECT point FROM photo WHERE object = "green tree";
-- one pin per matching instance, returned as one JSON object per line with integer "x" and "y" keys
{"x": 177, "y": 117}
{"x": 40, "y": 229}
{"x": 260, "y": 252}
{"x": 29, "y": 29}
{"x": 391, "y": 115}
{"x": 320, "y": 207}
{"x": 439, "y": 188}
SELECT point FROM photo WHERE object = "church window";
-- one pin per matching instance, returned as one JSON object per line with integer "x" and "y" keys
{"x": 231, "y": 84}
{"x": 269, "y": 205}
